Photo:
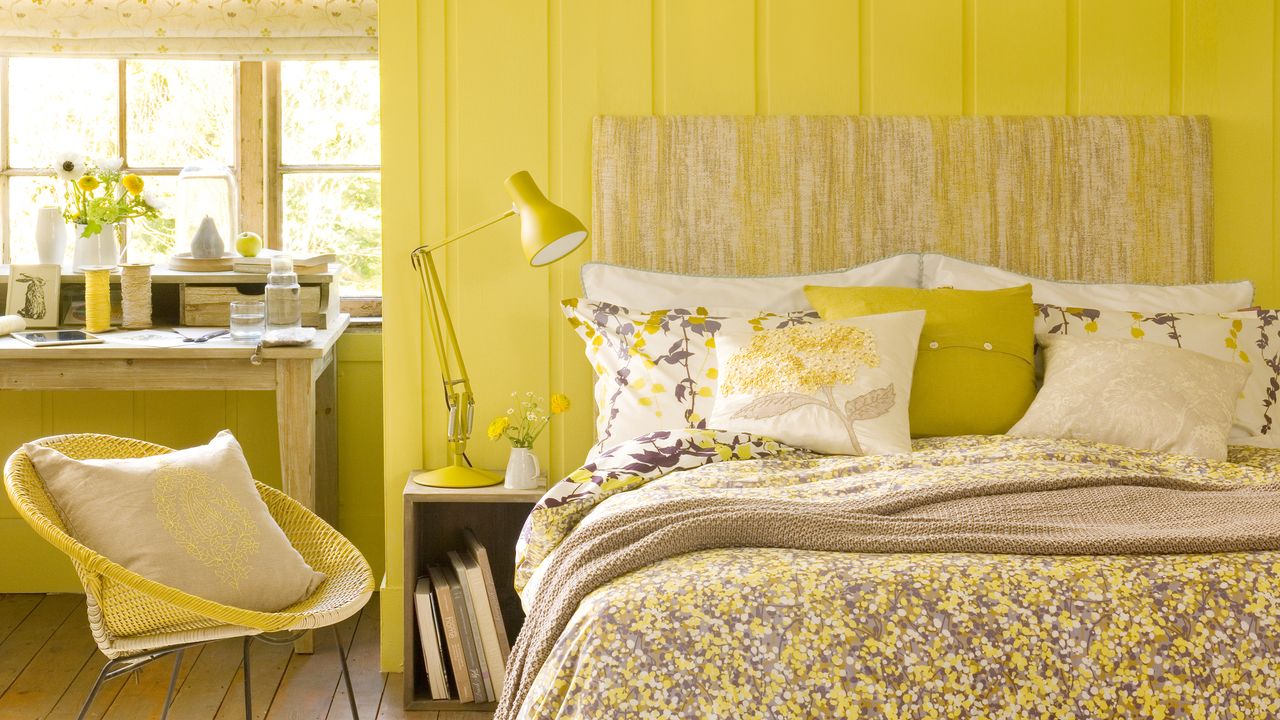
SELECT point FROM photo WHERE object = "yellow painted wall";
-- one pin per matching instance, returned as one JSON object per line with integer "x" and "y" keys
{"x": 182, "y": 419}
{"x": 476, "y": 89}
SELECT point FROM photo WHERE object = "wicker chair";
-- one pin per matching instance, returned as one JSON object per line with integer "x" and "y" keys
{"x": 135, "y": 620}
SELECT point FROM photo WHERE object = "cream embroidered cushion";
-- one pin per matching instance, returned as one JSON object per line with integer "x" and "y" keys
{"x": 1250, "y": 338}
{"x": 840, "y": 387}
{"x": 1137, "y": 394}
{"x": 657, "y": 370}
{"x": 944, "y": 271}
{"x": 191, "y": 519}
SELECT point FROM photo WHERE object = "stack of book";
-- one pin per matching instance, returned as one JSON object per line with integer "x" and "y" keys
{"x": 303, "y": 263}
{"x": 464, "y": 641}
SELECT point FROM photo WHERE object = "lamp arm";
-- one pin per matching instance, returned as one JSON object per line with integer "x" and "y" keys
{"x": 473, "y": 229}
{"x": 456, "y": 385}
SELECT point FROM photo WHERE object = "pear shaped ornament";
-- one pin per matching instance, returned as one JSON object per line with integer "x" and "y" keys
{"x": 207, "y": 242}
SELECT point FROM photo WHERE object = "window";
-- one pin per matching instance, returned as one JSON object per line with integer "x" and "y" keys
{"x": 301, "y": 136}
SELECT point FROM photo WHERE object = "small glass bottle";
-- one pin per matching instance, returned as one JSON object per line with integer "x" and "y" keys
{"x": 284, "y": 296}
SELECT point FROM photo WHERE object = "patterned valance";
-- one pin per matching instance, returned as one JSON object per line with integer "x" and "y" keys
{"x": 191, "y": 29}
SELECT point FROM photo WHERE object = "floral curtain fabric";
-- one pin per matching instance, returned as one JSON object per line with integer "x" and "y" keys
{"x": 207, "y": 29}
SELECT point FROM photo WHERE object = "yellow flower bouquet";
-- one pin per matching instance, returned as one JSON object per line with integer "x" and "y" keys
{"x": 526, "y": 418}
{"x": 97, "y": 193}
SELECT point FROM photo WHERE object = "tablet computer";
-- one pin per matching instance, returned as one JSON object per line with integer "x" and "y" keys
{"x": 51, "y": 338}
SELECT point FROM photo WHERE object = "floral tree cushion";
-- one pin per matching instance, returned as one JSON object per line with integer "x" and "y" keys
{"x": 658, "y": 369}
{"x": 840, "y": 387}
{"x": 1250, "y": 337}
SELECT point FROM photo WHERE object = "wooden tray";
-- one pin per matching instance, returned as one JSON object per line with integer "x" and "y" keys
{"x": 186, "y": 263}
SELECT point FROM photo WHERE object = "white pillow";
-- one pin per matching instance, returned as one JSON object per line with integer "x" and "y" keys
{"x": 1126, "y": 392}
{"x": 840, "y": 387}
{"x": 648, "y": 290}
{"x": 944, "y": 271}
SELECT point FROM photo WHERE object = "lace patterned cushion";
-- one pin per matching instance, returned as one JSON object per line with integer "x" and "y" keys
{"x": 1250, "y": 338}
{"x": 191, "y": 520}
{"x": 839, "y": 387}
{"x": 1136, "y": 394}
{"x": 658, "y": 369}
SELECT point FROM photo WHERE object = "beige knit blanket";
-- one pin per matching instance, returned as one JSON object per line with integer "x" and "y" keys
{"x": 1068, "y": 515}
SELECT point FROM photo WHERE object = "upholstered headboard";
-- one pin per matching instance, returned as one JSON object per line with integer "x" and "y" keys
{"x": 1081, "y": 198}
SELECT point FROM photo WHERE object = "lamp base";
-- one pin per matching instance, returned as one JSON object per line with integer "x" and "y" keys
{"x": 457, "y": 476}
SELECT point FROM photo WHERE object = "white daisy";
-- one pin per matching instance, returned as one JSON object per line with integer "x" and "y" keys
{"x": 152, "y": 199}
{"x": 69, "y": 167}
{"x": 110, "y": 166}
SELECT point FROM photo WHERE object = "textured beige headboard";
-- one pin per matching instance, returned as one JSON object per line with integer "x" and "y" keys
{"x": 1081, "y": 198}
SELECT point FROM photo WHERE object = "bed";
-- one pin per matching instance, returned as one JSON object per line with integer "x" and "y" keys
{"x": 712, "y": 573}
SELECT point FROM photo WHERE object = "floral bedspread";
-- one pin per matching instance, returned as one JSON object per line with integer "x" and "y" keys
{"x": 773, "y": 633}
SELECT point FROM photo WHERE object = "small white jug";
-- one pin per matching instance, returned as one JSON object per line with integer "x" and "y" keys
{"x": 522, "y": 470}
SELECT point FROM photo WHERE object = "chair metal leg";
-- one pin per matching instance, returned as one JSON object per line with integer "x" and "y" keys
{"x": 346, "y": 674}
{"x": 248, "y": 692}
{"x": 173, "y": 683}
{"x": 93, "y": 694}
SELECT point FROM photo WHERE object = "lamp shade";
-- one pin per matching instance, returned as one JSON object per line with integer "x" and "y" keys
{"x": 548, "y": 232}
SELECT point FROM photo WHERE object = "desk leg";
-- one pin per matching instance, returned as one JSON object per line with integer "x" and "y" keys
{"x": 296, "y": 415}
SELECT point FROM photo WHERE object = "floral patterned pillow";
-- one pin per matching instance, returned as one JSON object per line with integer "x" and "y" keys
{"x": 1248, "y": 337}
{"x": 839, "y": 387}
{"x": 658, "y": 370}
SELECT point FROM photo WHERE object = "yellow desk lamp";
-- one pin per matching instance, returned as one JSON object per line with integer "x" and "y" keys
{"x": 548, "y": 232}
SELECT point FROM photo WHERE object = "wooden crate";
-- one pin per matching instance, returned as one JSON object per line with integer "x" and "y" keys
{"x": 210, "y": 305}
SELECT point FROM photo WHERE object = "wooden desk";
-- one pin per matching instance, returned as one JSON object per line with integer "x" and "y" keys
{"x": 304, "y": 380}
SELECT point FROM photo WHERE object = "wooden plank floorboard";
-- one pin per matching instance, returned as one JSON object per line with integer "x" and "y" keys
{"x": 310, "y": 681}
{"x": 142, "y": 697}
{"x": 37, "y": 627}
{"x": 48, "y": 663}
{"x": 206, "y": 687}
{"x": 364, "y": 659}
{"x": 13, "y": 610}
{"x": 266, "y": 664}
{"x": 53, "y": 669}
{"x": 73, "y": 697}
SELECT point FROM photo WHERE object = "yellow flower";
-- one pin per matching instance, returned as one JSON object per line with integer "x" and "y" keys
{"x": 498, "y": 426}
{"x": 132, "y": 183}
{"x": 88, "y": 183}
{"x": 559, "y": 403}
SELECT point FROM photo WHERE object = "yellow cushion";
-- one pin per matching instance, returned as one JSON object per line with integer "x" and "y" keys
{"x": 975, "y": 371}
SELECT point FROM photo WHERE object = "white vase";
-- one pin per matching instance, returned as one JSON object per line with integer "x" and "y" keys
{"x": 51, "y": 236}
{"x": 522, "y": 470}
{"x": 98, "y": 250}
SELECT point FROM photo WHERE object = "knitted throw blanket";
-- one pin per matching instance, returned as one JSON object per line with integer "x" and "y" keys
{"x": 1066, "y": 515}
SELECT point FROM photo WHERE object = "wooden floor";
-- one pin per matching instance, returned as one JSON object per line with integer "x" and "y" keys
{"x": 48, "y": 663}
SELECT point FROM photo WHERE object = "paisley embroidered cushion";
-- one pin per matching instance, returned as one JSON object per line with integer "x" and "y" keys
{"x": 1250, "y": 338}
{"x": 838, "y": 387}
{"x": 191, "y": 519}
{"x": 975, "y": 373}
{"x": 657, "y": 370}
{"x": 1136, "y": 394}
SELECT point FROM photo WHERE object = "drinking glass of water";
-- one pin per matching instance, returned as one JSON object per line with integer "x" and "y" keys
{"x": 248, "y": 319}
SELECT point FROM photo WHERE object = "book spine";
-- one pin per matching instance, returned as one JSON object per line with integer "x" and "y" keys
{"x": 481, "y": 556}
{"x": 453, "y": 639}
{"x": 474, "y": 666}
{"x": 428, "y": 638}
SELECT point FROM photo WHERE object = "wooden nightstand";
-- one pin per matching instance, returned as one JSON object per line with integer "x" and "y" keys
{"x": 434, "y": 519}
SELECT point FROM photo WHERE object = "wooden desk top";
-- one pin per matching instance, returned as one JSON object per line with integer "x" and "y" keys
{"x": 14, "y": 349}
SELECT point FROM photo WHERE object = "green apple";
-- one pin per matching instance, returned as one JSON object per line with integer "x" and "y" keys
{"x": 249, "y": 244}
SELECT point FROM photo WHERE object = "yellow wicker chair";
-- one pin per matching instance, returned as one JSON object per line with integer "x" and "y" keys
{"x": 135, "y": 620}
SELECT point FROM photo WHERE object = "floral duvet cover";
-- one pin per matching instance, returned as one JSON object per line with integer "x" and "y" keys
{"x": 777, "y": 633}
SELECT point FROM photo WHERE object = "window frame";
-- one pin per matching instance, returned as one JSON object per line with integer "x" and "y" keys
{"x": 258, "y": 166}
